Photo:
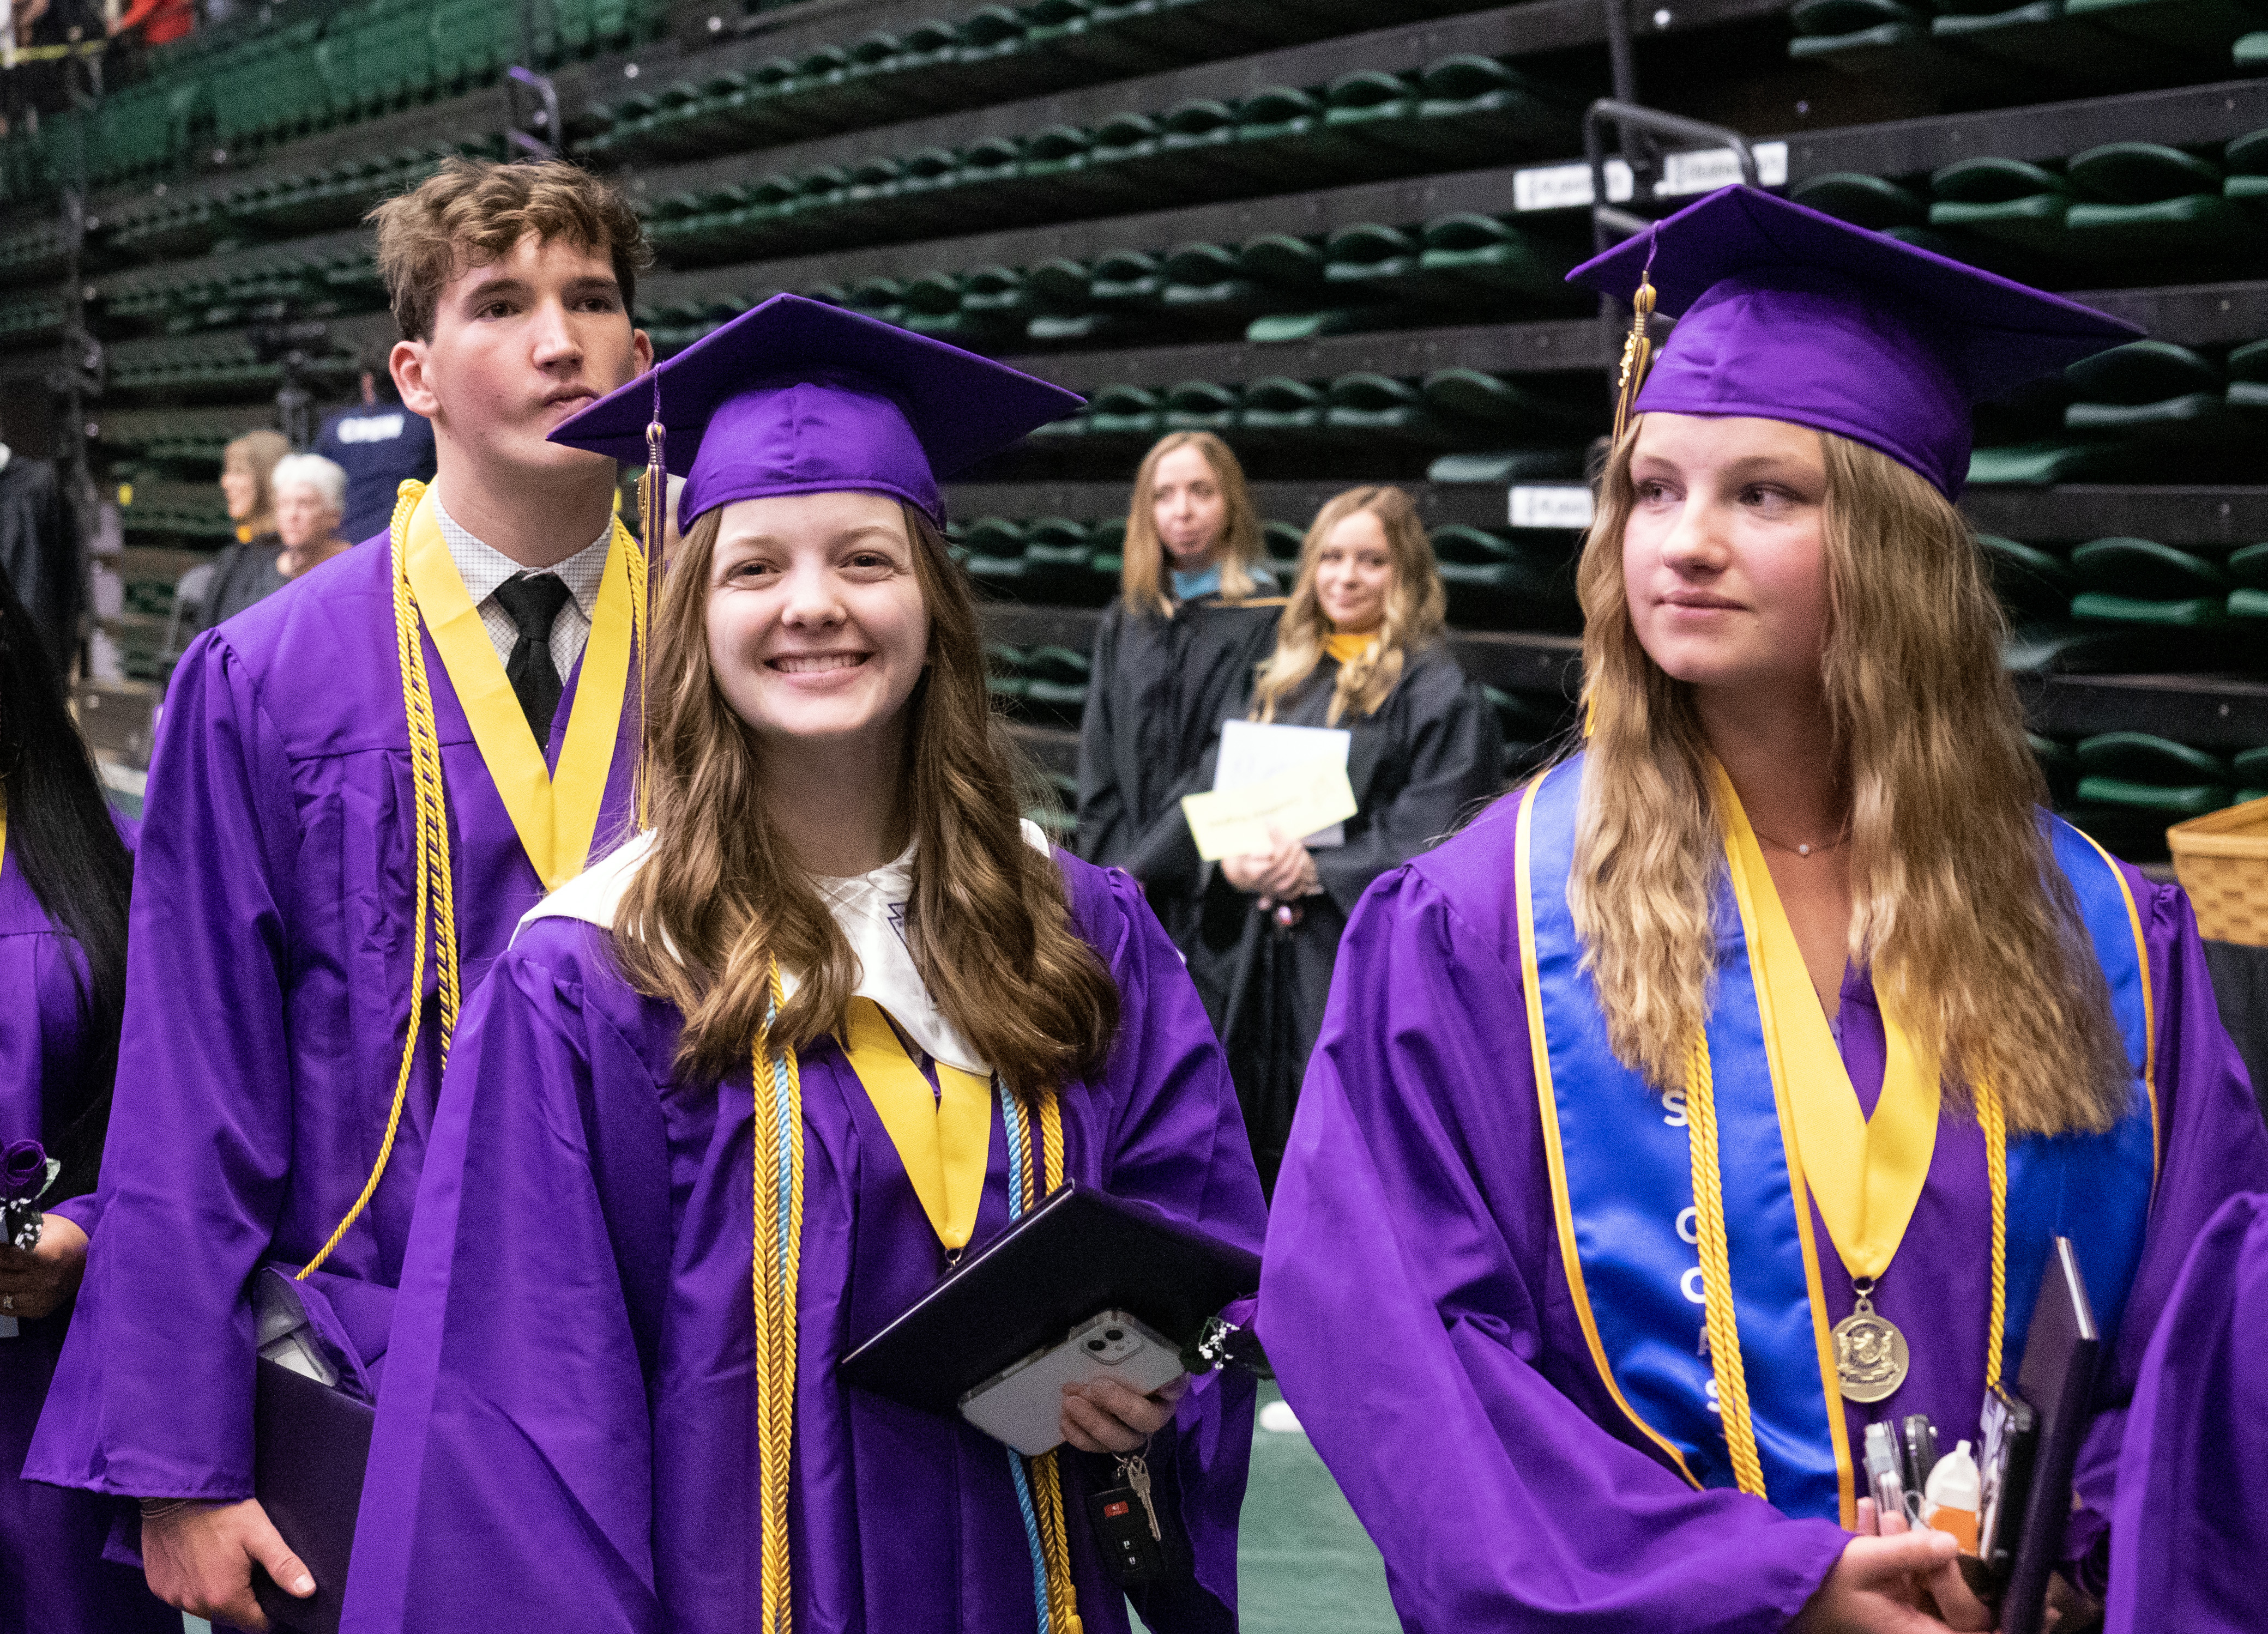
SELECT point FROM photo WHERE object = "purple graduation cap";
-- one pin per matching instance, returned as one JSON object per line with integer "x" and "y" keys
{"x": 1787, "y": 314}
{"x": 794, "y": 396}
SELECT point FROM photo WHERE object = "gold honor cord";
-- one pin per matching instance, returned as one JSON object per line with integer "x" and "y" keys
{"x": 1717, "y": 1273}
{"x": 776, "y": 1260}
{"x": 435, "y": 891}
{"x": 433, "y": 879}
{"x": 1046, "y": 1477}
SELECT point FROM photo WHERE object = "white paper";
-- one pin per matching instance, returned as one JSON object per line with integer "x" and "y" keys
{"x": 1253, "y": 752}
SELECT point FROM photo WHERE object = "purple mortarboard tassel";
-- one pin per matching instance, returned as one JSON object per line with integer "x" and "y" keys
{"x": 1787, "y": 314}
{"x": 797, "y": 397}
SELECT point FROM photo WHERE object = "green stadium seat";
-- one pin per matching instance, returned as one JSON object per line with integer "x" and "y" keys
{"x": 1203, "y": 406}
{"x": 1064, "y": 309}
{"x": 995, "y": 560}
{"x": 2251, "y": 50}
{"x": 1056, "y": 688}
{"x": 880, "y": 297}
{"x": 2143, "y": 772}
{"x": 1363, "y": 406}
{"x": 1876, "y": 202}
{"x": 1062, "y": 160}
{"x": 1379, "y": 108}
{"x": 1498, "y": 583}
{"x": 2038, "y": 464}
{"x": 1127, "y": 281}
{"x": 1206, "y": 283}
{"x": 1513, "y": 406}
{"x": 2190, "y": 28}
{"x": 1283, "y": 262}
{"x": 1476, "y": 110}
{"x": 1369, "y": 261}
{"x": 2246, "y": 160}
{"x": 1502, "y": 466}
{"x": 1068, "y": 30}
{"x": 1130, "y": 412}
{"x": 2003, "y": 201}
{"x": 2145, "y": 201}
{"x": 2251, "y": 769}
{"x": 1289, "y": 123}
{"x": 1280, "y": 412}
{"x": 2138, "y": 581}
{"x": 2035, "y": 586}
{"x": 2158, "y": 394}
{"x": 1485, "y": 256}
{"x": 989, "y": 35}
{"x": 1058, "y": 556}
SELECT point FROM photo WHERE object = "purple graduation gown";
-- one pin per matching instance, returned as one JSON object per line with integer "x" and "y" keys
{"x": 53, "y": 1577}
{"x": 267, "y": 992}
{"x": 566, "y": 1437}
{"x": 1417, "y": 1312}
{"x": 2192, "y": 1511}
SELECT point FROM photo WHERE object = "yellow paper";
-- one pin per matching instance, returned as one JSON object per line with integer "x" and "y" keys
{"x": 1295, "y": 802}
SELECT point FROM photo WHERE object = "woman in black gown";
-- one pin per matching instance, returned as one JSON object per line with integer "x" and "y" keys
{"x": 1175, "y": 653}
{"x": 1359, "y": 650}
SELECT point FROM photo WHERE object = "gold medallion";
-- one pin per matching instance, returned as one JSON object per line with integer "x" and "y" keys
{"x": 1870, "y": 1353}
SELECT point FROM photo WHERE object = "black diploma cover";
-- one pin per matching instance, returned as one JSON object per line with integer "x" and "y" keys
{"x": 1077, "y": 1253}
{"x": 310, "y": 1446}
{"x": 2056, "y": 1380}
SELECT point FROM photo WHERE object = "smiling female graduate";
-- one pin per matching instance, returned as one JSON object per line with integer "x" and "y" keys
{"x": 1720, "y": 1093}
{"x": 738, "y": 1096}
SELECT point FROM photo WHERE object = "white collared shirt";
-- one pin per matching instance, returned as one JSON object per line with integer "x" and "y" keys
{"x": 484, "y": 567}
{"x": 870, "y": 907}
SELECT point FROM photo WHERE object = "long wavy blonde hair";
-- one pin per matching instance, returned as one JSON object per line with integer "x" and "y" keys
{"x": 1142, "y": 565}
{"x": 1958, "y": 906}
{"x": 722, "y": 895}
{"x": 1416, "y": 607}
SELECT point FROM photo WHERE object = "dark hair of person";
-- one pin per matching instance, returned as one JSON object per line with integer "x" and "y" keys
{"x": 60, "y": 834}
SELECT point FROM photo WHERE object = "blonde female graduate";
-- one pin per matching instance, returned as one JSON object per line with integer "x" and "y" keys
{"x": 1720, "y": 1093}
{"x": 737, "y": 1097}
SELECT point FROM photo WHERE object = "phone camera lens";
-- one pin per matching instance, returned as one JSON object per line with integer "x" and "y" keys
{"x": 1113, "y": 1334}
{"x": 1095, "y": 1344}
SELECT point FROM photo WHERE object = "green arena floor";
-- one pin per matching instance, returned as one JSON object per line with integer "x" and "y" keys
{"x": 1304, "y": 1564}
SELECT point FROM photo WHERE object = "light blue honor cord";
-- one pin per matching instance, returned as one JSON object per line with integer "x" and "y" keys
{"x": 1011, "y": 1119}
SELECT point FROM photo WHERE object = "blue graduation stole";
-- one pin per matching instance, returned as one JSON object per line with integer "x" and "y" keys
{"x": 1623, "y": 1188}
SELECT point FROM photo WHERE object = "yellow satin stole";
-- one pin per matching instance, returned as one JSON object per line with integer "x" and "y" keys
{"x": 943, "y": 1137}
{"x": 1348, "y": 649}
{"x": 555, "y": 813}
{"x": 1865, "y": 1174}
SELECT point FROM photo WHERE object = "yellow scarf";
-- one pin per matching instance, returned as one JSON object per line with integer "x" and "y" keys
{"x": 944, "y": 1138}
{"x": 555, "y": 813}
{"x": 1349, "y": 648}
{"x": 1865, "y": 1174}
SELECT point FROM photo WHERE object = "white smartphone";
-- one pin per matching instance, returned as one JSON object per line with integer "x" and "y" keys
{"x": 1022, "y": 1405}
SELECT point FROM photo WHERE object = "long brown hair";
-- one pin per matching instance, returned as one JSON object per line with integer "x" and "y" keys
{"x": 1958, "y": 906}
{"x": 722, "y": 895}
{"x": 1141, "y": 572}
{"x": 1416, "y": 606}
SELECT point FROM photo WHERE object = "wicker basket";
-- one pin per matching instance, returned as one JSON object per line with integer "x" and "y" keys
{"x": 2222, "y": 861}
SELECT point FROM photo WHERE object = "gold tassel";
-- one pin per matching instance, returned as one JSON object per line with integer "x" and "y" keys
{"x": 1637, "y": 353}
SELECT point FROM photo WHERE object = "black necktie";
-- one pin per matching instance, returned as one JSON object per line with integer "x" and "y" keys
{"x": 533, "y": 603}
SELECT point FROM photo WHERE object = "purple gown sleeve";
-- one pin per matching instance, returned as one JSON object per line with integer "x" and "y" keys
{"x": 511, "y": 1481}
{"x": 2192, "y": 1507}
{"x": 2214, "y": 1146}
{"x": 1414, "y": 1314}
{"x": 153, "y": 1396}
{"x": 1177, "y": 1140}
